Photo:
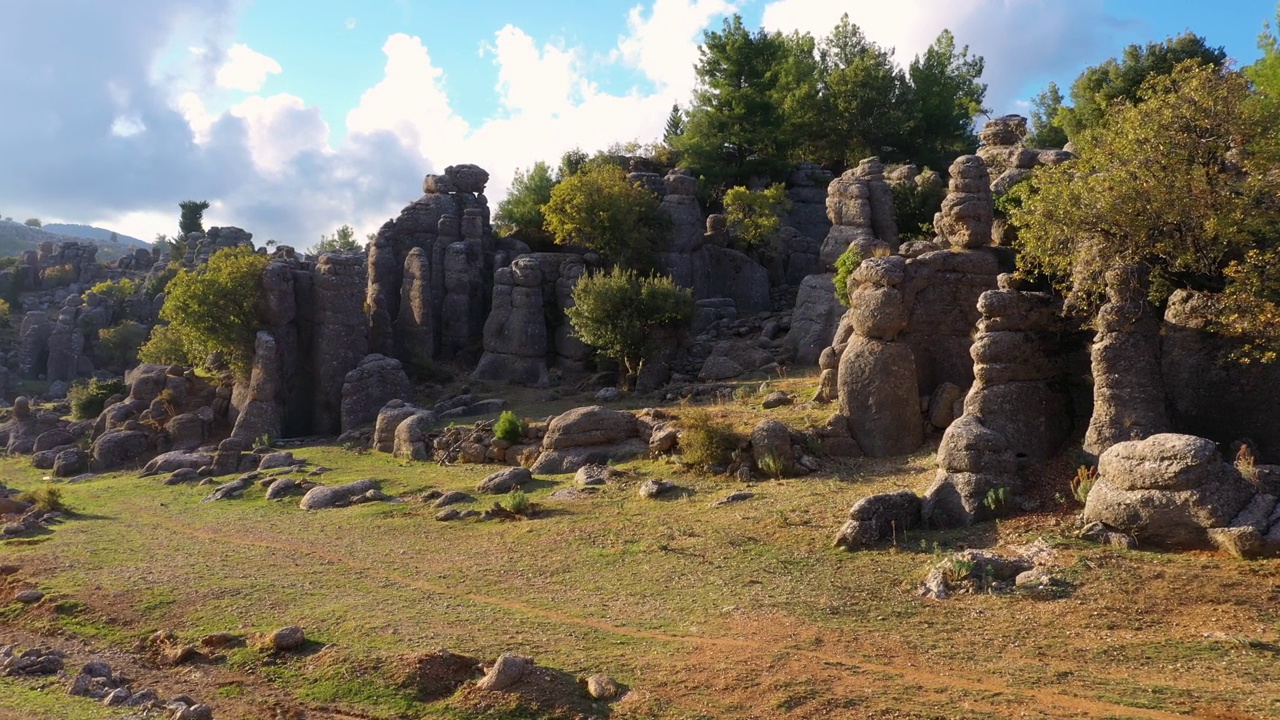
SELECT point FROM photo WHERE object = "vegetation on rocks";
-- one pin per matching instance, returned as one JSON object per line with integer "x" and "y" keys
{"x": 88, "y": 398}
{"x": 600, "y": 209}
{"x": 755, "y": 216}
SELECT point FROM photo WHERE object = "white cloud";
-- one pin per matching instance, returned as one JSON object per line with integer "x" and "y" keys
{"x": 664, "y": 46}
{"x": 127, "y": 126}
{"x": 538, "y": 82}
{"x": 350, "y": 24}
{"x": 280, "y": 128}
{"x": 246, "y": 69}
{"x": 1023, "y": 41}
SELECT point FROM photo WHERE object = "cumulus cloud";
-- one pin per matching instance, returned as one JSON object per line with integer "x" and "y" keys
{"x": 246, "y": 69}
{"x": 664, "y": 45}
{"x": 1023, "y": 41}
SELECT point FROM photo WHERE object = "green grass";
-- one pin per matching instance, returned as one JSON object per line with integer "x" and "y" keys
{"x": 690, "y": 604}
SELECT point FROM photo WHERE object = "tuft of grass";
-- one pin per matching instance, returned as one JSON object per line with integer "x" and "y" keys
{"x": 705, "y": 442}
{"x": 48, "y": 498}
{"x": 773, "y": 465}
{"x": 1083, "y": 482}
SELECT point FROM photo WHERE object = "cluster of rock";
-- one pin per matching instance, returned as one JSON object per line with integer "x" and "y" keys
{"x": 18, "y": 518}
{"x": 1031, "y": 569}
{"x": 200, "y": 246}
{"x": 1005, "y": 154}
{"x": 1175, "y": 491}
{"x": 59, "y": 346}
{"x": 51, "y": 441}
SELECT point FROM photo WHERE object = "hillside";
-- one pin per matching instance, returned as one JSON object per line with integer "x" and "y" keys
{"x": 88, "y": 232}
{"x": 16, "y": 238}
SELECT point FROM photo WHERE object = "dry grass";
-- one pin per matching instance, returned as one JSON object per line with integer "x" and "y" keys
{"x": 740, "y": 611}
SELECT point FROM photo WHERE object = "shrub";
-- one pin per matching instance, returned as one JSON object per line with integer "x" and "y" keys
{"x": 705, "y": 442}
{"x": 48, "y": 498}
{"x": 848, "y": 261}
{"x": 754, "y": 217}
{"x": 89, "y": 398}
{"x": 914, "y": 206}
{"x": 215, "y": 309}
{"x": 4, "y": 313}
{"x": 118, "y": 346}
{"x": 517, "y": 502}
{"x": 620, "y": 312}
{"x": 997, "y": 500}
{"x": 773, "y": 466}
{"x": 508, "y": 427}
{"x": 58, "y": 275}
{"x": 600, "y": 208}
{"x": 164, "y": 347}
{"x": 118, "y": 293}
{"x": 159, "y": 282}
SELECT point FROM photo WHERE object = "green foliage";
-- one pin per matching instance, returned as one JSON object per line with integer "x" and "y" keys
{"x": 601, "y": 209}
{"x": 755, "y": 216}
{"x": 508, "y": 427}
{"x": 342, "y": 240}
{"x": 214, "y": 309}
{"x": 58, "y": 275}
{"x": 1121, "y": 80}
{"x": 1165, "y": 183}
{"x": 848, "y": 261}
{"x": 192, "y": 217}
{"x": 522, "y": 208}
{"x": 914, "y": 206}
{"x": 1083, "y": 482}
{"x": 8, "y": 262}
{"x": 88, "y": 398}
{"x": 48, "y": 498}
{"x": 675, "y": 125}
{"x": 704, "y": 441}
{"x": 4, "y": 313}
{"x": 997, "y": 500}
{"x": 1046, "y": 132}
{"x": 773, "y": 465}
{"x": 571, "y": 163}
{"x": 1265, "y": 76}
{"x": 944, "y": 97}
{"x": 164, "y": 347}
{"x": 118, "y": 346}
{"x": 33, "y": 222}
{"x": 118, "y": 293}
{"x": 159, "y": 282}
{"x": 517, "y": 502}
{"x": 620, "y": 313}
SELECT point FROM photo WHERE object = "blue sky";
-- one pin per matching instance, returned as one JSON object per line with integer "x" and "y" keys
{"x": 293, "y": 117}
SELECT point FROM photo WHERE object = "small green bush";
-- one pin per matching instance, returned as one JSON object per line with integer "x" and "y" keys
{"x": 58, "y": 275}
{"x": 118, "y": 346}
{"x": 4, "y": 313}
{"x": 914, "y": 207}
{"x": 48, "y": 498}
{"x": 1083, "y": 482}
{"x": 118, "y": 293}
{"x": 517, "y": 502}
{"x": 848, "y": 261}
{"x": 705, "y": 442}
{"x": 508, "y": 427}
{"x": 164, "y": 347}
{"x": 89, "y": 398}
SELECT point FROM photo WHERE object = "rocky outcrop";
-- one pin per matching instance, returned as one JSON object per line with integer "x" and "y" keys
{"x": 807, "y": 191}
{"x": 968, "y": 210}
{"x": 1128, "y": 395}
{"x": 260, "y": 412}
{"x": 876, "y": 384}
{"x": 860, "y": 207}
{"x": 377, "y": 380}
{"x": 972, "y": 462}
{"x": 341, "y": 339}
{"x": 815, "y": 319}
{"x": 515, "y": 334}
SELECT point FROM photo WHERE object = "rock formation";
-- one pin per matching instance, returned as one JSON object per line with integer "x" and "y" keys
{"x": 372, "y": 384}
{"x": 860, "y": 207}
{"x": 968, "y": 210}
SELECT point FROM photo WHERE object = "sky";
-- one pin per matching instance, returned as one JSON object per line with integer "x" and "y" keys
{"x": 293, "y": 117}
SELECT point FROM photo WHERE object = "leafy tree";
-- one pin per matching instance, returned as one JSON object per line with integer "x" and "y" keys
{"x": 943, "y": 98}
{"x": 114, "y": 239}
{"x": 1265, "y": 76}
{"x": 117, "y": 348}
{"x": 342, "y": 240}
{"x": 118, "y": 293}
{"x": 192, "y": 218}
{"x": 214, "y": 309}
{"x": 1168, "y": 182}
{"x": 1045, "y": 130}
{"x": 754, "y": 217}
{"x": 1121, "y": 80}
{"x": 620, "y": 313}
{"x": 571, "y": 163}
{"x": 601, "y": 209}
{"x": 862, "y": 99}
{"x": 736, "y": 124}
{"x": 522, "y": 207}
{"x": 675, "y": 125}
{"x": 33, "y": 222}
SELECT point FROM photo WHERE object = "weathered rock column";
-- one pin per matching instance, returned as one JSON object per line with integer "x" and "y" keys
{"x": 877, "y": 376}
{"x": 1128, "y": 392}
{"x": 261, "y": 413}
{"x": 515, "y": 334}
{"x": 856, "y": 206}
{"x": 968, "y": 210}
{"x": 341, "y": 333}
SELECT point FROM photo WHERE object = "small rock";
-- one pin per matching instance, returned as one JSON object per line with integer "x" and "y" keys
{"x": 453, "y": 497}
{"x": 593, "y": 474}
{"x": 732, "y": 498}
{"x": 603, "y": 687}
{"x": 116, "y": 697}
{"x": 221, "y": 640}
{"x": 432, "y": 494}
{"x": 656, "y": 488}
{"x": 448, "y": 514}
{"x": 29, "y": 597}
{"x": 287, "y": 638}
{"x": 777, "y": 399}
{"x": 504, "y": 481}
{"x": 609, "y": 394}
{"x": 506, "y": 671}
{"x": 195, "y": 712}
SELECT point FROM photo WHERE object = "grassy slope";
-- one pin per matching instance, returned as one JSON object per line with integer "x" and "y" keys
{"x": 741, "y": 611}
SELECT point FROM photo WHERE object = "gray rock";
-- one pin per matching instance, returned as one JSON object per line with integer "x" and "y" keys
{"x": 505, "y": 481}
{"x": 656, "y": 488}
{"x": 328, "y": 496}
{"x": 453, "y": 497}
{"x": 370, "y": 386}
{"x": 287, "y": 638}
{"x": 877, "y": 517}
{"x": 506, "y": 671}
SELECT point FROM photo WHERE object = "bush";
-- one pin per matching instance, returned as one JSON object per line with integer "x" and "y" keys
{"x": 600, "y": 208}
{"x": 508, "y": 427}
{"x": 58, "y": 275}
{"x": 848, "y": 261}
{"x": 620, "y": 312}
{"x": 705, "y": 442}
{"x": 159, "y": 282}
{"x": 89, "y": 398}
{"x": 914, "y": 206}
{"x": 517, "y": 502}
{"x": 118, "y": 346}
{"x": 215, "y": 309}
{"x": 48, "y": 498}
{"x": 164, "y": 347}
{"x": 754, "y": 217}
{"x": 118, "y": 293}
{"x": 4, "y": 313}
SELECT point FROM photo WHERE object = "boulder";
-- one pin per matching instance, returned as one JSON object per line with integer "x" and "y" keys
{"x": 366, "y": 389}
{"x": 505, "y": 481}
{"x": 877, "y": 517}
{"x": 328, "y": 496}
{"x": 118, "y": 448}
{"x": 593, "y": 425}
{"x": 877, "y": 393}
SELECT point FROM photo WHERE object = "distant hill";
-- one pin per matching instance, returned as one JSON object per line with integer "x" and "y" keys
{"x": 88, "y": 232}
{"x": 16, "y": 238}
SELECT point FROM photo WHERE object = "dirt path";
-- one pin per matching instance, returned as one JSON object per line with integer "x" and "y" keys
{"x": 939, "y": 680}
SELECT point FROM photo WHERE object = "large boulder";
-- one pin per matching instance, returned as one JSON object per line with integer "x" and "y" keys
{"x": 375, "y": 381}
{"x": 814, "y": 321}
{"x": 1167, "y": 490}
{"x": 877, "y": 517}
{"x": 592, "y": 425}
{"x": 329, "y": 496}
{"x": 118, "y": 448}
{"x": 877, "y": 393}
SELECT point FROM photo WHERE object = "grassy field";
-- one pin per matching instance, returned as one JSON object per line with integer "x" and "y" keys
{"x": 742, "y": 611}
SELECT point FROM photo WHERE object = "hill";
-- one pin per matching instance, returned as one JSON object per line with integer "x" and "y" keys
{"x": 16, "y": 238}
{"x": 88, "y": 232}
